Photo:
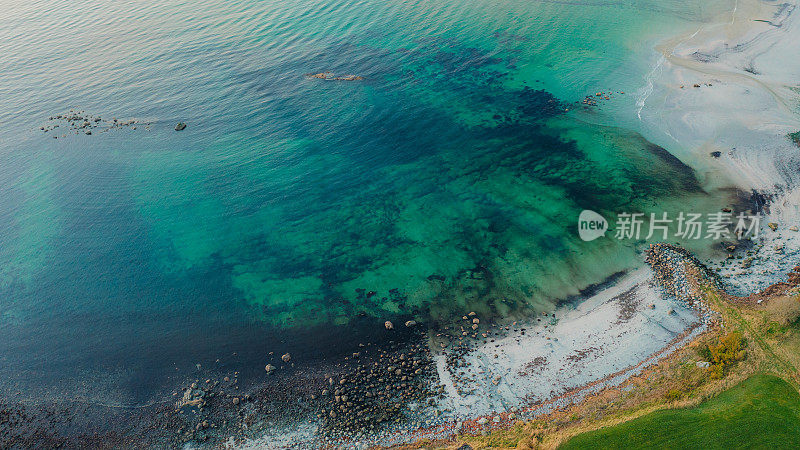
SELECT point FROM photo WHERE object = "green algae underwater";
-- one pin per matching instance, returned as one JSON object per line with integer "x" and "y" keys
{"x": 448, "y": 180}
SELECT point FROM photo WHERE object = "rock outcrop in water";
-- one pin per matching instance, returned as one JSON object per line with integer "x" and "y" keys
{"x": 331, "y": 77}
{"x": 80, "y": 122}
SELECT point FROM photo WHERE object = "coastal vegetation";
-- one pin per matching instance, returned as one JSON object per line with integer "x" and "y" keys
{"x": 724, "y": 353}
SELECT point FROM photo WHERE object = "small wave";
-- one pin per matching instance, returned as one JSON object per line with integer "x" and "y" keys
{"x": 645, "y": 91}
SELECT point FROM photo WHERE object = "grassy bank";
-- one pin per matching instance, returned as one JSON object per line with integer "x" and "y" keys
{"x": 762, "y": 411}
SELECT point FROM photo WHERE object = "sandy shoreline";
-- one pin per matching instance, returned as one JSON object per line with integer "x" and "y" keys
{"x": 598, "y": 344}
{"x": 615, "y": 329}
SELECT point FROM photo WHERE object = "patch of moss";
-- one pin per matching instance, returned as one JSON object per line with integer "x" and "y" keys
{"x": 795, "y": 137}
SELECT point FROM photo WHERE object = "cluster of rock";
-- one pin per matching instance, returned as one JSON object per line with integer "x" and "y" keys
{"x": 80, "y": 122}
{"x": 747, "y": 251}
{"x": 381, "y": 386}
{"x": 794, "y": 276}
{"x": 697, "y": 85}
{"x": 390, "y": 326}
{"x": 207, "y": 405}
{"x": 597, "y": 98}
{"x": 681, "y": 276}
{"x": 192, "y": 397}
{"x": 380, "y": 390}
{"x": 269, "y": 368}
{"x": 376, "y": 391}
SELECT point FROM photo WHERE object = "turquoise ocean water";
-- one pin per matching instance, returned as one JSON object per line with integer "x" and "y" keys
{"x": 449, "y": 179}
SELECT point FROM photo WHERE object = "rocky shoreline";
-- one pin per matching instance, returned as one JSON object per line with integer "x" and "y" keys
{"x": 372, "y": 388}
{"x": 385, "y": 393}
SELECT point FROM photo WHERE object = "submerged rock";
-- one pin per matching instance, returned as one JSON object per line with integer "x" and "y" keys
{"x": 191, "y": 397}
{"x": 330, "y": 76}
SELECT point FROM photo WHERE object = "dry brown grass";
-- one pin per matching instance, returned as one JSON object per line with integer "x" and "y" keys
{"x": 784, "y": 310}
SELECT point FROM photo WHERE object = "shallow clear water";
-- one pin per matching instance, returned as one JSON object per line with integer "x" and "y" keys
{"x": 449, "y": 179}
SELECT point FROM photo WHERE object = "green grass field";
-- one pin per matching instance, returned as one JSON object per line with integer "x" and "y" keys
{"x": 761, "y": 412}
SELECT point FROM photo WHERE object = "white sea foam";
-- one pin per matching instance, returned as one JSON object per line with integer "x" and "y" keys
{"x": 645, "y": 91}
